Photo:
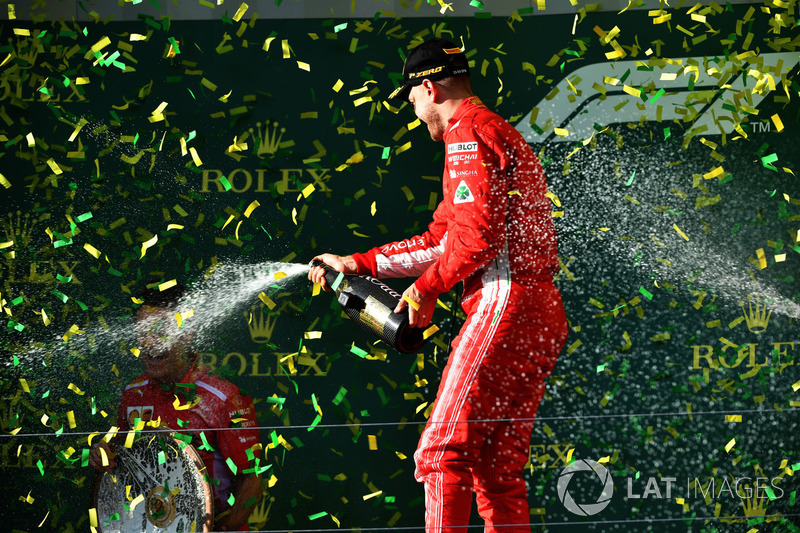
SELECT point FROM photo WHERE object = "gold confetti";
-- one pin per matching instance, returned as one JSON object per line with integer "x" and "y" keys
{"x": 72, "y": 331}
{"x": 778, "y": 123}
{"x": 240, "y": 12}
{"x": 251, "y": 208}
{"x": 682, "y": 234}
{"x": 147, "y": 244}
{"x": 94, "y": 251}
{"x": 54, "y": 166}
{"x": 195, "y": 157}
{"x": 74, "y": 388}
{"x": 430, "y": 331}
{"x": 411, "y": 302}
{"x": 167, "y": 285}
{"x": 730, "y": 445}
{"x": 267, "y": 301}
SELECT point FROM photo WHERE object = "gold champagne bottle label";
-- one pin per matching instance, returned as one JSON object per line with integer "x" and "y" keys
{"x": 375, "y": 314}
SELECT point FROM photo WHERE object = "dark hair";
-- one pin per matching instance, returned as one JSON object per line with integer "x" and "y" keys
{"x": 154, "y": 297}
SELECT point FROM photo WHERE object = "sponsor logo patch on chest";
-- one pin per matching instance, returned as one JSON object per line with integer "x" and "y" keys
{"x": 454, "y": 148}
{"x": 463, "y": 195}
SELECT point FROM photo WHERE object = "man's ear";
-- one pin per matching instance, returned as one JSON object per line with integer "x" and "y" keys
{"x": 431, "y": 89}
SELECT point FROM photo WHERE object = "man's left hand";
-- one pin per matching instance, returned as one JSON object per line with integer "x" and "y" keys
{"x": 421, "y": 314}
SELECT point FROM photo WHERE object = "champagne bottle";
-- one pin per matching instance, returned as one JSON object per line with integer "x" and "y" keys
{"x": 370, "y": 303}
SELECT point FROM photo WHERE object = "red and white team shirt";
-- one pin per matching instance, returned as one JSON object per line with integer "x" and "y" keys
{"x": 493, "y": 222}
{"x": 215, "y": 403}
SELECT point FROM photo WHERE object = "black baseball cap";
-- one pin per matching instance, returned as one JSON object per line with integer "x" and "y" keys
{"x": 435, "y": 59}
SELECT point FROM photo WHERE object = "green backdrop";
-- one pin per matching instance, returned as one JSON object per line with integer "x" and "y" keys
{"x": 678, "y": 246}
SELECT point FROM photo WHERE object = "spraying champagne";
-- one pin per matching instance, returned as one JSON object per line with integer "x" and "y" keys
{"x": 370, "y": 303}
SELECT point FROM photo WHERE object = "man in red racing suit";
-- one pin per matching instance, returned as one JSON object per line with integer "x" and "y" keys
{"x": 176, "y": 392}
{"x": 493, "y": 230}
{"x": 201, "y": 401}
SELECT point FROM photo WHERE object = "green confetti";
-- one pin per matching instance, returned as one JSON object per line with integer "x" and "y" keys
{"x": 656, "y": 96}
{"x": 186, "y": 439}
{"x": 231, "y": 465}
{"x": 358, "y": 351}
{"x": 337, "y": 281}
{"x": 340, "y": 395}
{"x": 60, "y": 295}
{"x": 767, "y": 161}
{"x": 205, "y": 445}
{"x": 316, "y": 421}
{"x": 317, "y": 515}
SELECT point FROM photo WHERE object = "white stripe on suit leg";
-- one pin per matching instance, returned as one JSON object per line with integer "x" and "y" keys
{"x": 495, "y": 298}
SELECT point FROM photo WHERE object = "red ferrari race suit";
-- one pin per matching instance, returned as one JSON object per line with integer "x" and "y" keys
{"x": 215, "y": 403}
{"x": 493, "y": 230}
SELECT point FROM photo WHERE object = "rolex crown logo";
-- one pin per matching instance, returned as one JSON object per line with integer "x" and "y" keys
{"x": 260, "y": 326}
{"x": 268, "y": 141}
{"x": 756, "y": 316}
{"x": 753, "y": 503}
{"x": 258, "y": 518}
{"x": 19, "y": 230}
